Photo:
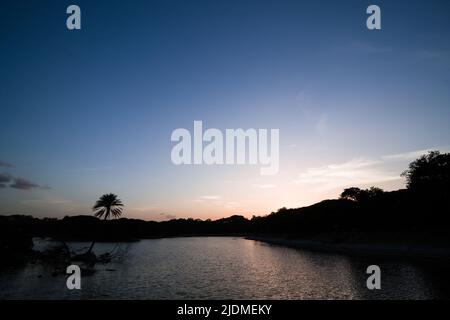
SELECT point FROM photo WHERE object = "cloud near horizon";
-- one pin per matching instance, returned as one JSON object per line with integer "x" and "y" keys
{"x": 23, "y": 184}
{"x": 167, "y": 216}
{"x": 7, "y": 180}
{"x": 5, "y": 164}
{"x": 215, "y": 197}
{"x": 4, "y": 179}
{"x": 266, "y": 186}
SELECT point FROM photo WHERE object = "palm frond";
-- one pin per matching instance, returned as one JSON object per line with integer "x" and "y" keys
{"x": 108, "y": 204}
{"x": 99, "y": 213}
{"x": 116, "y": 212}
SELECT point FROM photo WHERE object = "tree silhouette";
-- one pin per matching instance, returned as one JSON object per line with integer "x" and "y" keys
{"x": 352, "y": 193}
{"x": 106, "y": 205}
{"x": 429, "y": 175}
{"x": 361, "y": 195}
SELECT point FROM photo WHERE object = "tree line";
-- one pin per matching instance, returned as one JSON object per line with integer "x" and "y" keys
{"x": 422, "y": 207}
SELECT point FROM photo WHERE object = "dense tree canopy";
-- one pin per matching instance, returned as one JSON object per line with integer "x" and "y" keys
{"x": 429, "y": 175}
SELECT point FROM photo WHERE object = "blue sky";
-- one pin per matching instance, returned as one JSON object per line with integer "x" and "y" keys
{"x": 91, "y": 111}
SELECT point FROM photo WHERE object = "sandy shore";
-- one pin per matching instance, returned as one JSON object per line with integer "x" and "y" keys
{"x": 385, "y": 249}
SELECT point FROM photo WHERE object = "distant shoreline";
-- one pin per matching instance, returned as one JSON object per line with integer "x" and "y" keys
{"x": 363, "y": 249}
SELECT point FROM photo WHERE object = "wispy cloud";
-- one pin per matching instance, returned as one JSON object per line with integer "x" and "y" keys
{"x": 8, "y": 180}
{"x": 266, "y": 186}
{"x": 322, "y": 123}
{"x": 166, "y": 216}
{"x": 214, "y": 197}
{"x": 368, "y": 48}
{"x": 354, "y": 172}
{"x": 24, "y": 184}
{"x": 220, "y": 202}
{"x": 437, "y": 55}
{"x": 51, "y": 201}
{"x": 5, "y": 178}
{"x": 358, "y": 171}
{"x": 93, "y": 169}
{"x": 411, "y": 155}
{"x": 354, "y": 164}
{"x": 208, "y": 198}
{"x": 6, "y": 164}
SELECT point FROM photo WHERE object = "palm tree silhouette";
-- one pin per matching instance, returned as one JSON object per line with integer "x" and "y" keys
{"x": 107, "y": 205}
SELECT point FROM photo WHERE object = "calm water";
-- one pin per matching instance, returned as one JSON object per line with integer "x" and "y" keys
{"x": 226, "y": 268}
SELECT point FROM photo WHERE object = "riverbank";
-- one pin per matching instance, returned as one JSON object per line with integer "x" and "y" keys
{"x": 416, "y": 251}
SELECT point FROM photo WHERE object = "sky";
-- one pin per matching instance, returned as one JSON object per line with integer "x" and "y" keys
{"x": 91, "y": 111}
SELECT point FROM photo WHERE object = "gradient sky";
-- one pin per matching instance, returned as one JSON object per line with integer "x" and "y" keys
{"x": 91, "y": 111}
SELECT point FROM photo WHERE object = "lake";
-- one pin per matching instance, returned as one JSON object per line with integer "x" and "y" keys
{"x": 226, "y": 268}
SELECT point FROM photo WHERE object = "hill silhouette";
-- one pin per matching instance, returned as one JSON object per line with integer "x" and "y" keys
{"x": 417, "y": 214}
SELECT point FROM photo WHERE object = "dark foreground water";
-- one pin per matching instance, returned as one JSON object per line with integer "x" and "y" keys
{"x": 226, "y": 268}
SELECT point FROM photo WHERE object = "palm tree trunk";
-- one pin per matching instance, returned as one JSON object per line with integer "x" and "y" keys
{"x": 90, "y": 248}
{"x": 93, "y": 242}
